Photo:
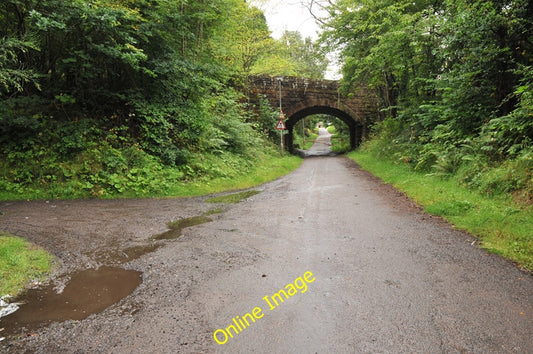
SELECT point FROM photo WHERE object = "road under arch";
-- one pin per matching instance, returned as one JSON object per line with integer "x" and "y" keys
{"x": 355, "y": 127}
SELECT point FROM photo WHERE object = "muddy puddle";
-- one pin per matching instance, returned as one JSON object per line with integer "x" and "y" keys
{"x": 93, "y": 290}
{"x": 88, "y": 292}
{"x": 177, "y": 227}
{"x": 121, "y": 256}
{"x": 233, "y": 198}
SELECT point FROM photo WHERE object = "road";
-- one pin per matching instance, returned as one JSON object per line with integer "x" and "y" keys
{"x": 321, "y": 146}
{"x": 388, "y": 277}
{"x": 370, "y": 273}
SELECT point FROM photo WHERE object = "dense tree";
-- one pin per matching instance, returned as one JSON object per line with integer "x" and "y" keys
{"x": 293, "y": 55}
{"x": 84, "y": 81}
{"x": 455, "y": 83}
{"x": 243, "y": 39}
{"x": 444, "y": 70}
{"x": 16, "y": 46}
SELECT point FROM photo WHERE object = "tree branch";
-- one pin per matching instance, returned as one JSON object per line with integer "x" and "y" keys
{"x": 309, "y": 5}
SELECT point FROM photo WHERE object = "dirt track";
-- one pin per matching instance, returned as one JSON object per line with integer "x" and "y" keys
{"x": 387, "y": 277}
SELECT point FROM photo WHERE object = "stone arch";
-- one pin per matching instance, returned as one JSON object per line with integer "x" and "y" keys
{"x": 355, "y": 127}
{"x": 301, "y": 97}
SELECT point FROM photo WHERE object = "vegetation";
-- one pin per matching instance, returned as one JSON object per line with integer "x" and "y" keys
{"x": 340, "y": 139}
{"x": 455, "y": 83}
{"x": 20, "y": 262}
{"x": 203, "y": 175}
{"x": 293, "y": 55}
{"x": 233, "y": 198}
{"x": 105, "y": 98}
{"x": 304, "y": 135}
{"x": 309, "y": 140}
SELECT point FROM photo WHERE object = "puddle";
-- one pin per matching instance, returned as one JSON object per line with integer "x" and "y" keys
{"x": 92, "y": 291}
{"x": 177, "y": 226}
{"x": 214, "y": 211}
{"x": 233, "y": 198}
{"x": 129, "y": 254}
{"x": 88, "y": 292}
{"x": 135, "y": 252}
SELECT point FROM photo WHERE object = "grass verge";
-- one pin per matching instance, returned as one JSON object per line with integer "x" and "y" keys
{"x": 20, "y": 262}
{"x": 309, "y": 140}
{"x": 340, "y": 143}
{"x": 205, "y": 175}
{"x": 267, "y": 169}
{"x": 502, "y": 226}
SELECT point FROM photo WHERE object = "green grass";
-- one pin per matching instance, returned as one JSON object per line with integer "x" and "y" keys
{"x": 20, "y": 262}
{"x": 340, "y": 143}
{"x": 502, "y": 226}
{"x": 332, "y": 129}
{"x": 309, "y": 140}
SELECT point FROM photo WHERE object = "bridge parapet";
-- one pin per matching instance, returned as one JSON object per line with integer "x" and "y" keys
{"x": 293, "y": 83}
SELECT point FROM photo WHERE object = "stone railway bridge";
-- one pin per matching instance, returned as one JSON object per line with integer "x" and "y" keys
{"x": 303, "y": 97}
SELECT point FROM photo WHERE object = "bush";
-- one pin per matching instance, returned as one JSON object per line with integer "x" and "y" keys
{"x": 474, "y": 162}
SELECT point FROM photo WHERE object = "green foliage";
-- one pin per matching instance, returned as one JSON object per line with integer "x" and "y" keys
{"x": 292, "y": 55}
{"x": 13, "y": 74}
{"x": 168, "y": 131}
{"x": 230, "y": 128}
{"x": 106, "y": 172}
{"x": 454, "y": 80}
{"x": 90, "y": 49}
{"x": 340, "y": 140}
{"x": 245, "y": 36}
{"x": 469, "y": 162}
{"x": 298, "y": 135}
{"x": 267, "y": 119}
{"x": 20, "y": 262}
{"x": 513, "y": 133}
{"x": 108, "y": 97}
{"x": 98, "y": 170}
{"x": 512, "y": 176}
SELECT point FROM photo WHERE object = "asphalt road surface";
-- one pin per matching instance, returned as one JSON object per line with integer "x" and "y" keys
{"x": 321, "y": 147}
{"x": 363, "y": 270}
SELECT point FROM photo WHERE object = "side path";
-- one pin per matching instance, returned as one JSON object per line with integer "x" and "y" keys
{"x": 362, "y": 269}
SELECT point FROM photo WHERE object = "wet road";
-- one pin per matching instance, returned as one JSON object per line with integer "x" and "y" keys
{"x": 387, "y": 277}
{"x": 321, "y": 146}
{"x": 362, "y": 268}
